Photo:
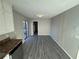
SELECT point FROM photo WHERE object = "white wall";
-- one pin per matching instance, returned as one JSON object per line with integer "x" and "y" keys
{"x": 18, "y": 27}
{"x": 18, "y": 24}
{"x": 43, "y": 26}
{"x": 6, "y": 19}
{"x": 65, "y": 31}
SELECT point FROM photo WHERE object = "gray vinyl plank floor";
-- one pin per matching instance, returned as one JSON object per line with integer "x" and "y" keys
{"x": 42, "y": 47}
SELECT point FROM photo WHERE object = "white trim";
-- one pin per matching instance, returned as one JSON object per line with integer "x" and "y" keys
{"x": 78, "y": 55}
{"x": 62, "y": 48}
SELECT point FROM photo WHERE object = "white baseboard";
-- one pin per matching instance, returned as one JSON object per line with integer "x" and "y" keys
{"x": 62, "y": 48}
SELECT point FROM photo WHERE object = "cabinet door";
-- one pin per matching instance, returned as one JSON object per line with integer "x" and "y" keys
{"x": 0, "y": 5}
{"x": 9, "y": 22}
{"x": 7, "y": 6}
{"x": 1, "y": 19}
{"x": 8, "y": 16}
{"x": 6, "y": 57}
{"x": 2, "y": 23}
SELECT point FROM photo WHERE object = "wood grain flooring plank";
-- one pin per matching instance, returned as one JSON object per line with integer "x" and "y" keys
{"x": 42, "y": 47}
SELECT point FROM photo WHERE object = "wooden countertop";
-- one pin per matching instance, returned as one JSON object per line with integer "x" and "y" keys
{"x": 7, "y": 45}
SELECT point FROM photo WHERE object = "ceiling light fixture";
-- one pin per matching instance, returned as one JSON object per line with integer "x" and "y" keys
{"x": 39, "y": 15}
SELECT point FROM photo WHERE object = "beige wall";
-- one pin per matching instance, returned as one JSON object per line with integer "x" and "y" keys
{"x": 65, "y": 31}
{"x": 43, "y": 26}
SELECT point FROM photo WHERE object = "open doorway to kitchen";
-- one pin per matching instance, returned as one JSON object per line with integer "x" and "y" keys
{"x": 35, "y": 28}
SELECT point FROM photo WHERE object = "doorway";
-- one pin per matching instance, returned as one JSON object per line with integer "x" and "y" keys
{"x": 35, "y": 28}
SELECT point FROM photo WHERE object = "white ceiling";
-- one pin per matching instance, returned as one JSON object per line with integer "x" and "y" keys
{"x": 48, "y": 8}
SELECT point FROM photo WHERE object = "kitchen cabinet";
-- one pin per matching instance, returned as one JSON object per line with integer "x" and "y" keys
{"x": 1, "y": 19}
{"x": 11, "y": 49}
{"x": 0, "y": 5}
{"x": 1, "y": 23}
{"x": 6, "y": 17}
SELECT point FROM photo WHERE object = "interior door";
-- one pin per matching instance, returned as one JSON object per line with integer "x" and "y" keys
{"x": 35, "y": 28}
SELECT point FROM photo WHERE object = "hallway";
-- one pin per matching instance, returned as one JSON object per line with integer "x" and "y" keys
{"x": 42, "y": 47}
